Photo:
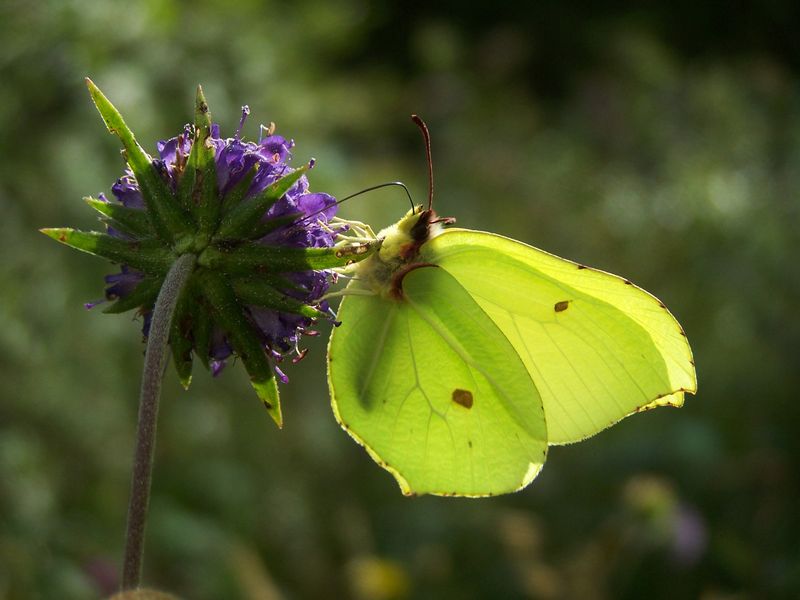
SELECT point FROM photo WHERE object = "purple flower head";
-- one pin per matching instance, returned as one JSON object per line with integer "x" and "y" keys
{"x": 262, "y": 244}
{"x": 235, "y": 159}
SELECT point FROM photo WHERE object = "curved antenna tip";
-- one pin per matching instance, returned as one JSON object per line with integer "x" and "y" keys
{"x": 427, "y": 137}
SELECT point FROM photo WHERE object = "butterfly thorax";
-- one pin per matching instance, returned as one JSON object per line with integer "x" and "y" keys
{"x": 383, "y": 272}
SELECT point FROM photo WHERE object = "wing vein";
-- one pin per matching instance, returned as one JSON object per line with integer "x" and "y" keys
{"x": 376, "y": 355}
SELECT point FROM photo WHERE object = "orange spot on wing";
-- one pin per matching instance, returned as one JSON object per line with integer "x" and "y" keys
{"x": 463, "y": 398}
{"x": 561, "y": 306}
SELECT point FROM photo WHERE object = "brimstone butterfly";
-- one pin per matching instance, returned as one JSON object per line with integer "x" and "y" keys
{"x": 462, "y": 355}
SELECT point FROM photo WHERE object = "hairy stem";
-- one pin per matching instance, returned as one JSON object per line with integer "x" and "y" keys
{"x": 154, "y": 362}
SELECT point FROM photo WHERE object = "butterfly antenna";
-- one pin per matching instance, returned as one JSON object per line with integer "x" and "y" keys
{"x": 427, "y": 136}
{"x": 358, "y": 193}
{"x": 377, "y": 187}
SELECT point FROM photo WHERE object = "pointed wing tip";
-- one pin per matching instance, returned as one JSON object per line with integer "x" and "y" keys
{"x": 674, "y": 399}
{"x": 532, "y": 473}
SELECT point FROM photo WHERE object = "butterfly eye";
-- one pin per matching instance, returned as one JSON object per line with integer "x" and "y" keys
{"x": 420, "y": 232}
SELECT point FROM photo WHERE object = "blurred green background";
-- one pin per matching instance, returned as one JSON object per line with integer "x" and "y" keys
{"x": 662, "y": 143}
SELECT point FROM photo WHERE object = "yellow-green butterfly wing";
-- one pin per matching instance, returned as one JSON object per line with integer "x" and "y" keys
{"x": 434, "y": 390}
{"x": 542, "y": 349}
{"x": 597, "y": 347}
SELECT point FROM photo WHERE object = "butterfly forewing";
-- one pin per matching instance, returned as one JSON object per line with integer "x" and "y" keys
{"x": 597, "y": 347}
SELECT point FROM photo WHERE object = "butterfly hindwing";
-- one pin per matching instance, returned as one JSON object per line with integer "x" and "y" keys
{"x": 435, "y": 391}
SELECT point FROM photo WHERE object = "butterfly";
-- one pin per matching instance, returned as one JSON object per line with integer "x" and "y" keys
{"x": 463, "y": 355}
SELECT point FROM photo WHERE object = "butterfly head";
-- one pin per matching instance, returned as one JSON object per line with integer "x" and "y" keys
{"x": 399, "y": 253}
{"x": 383, "y": 272}
{"x": 403, "y": 240}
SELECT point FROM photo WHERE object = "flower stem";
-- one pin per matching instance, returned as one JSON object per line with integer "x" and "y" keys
{"x": 154, "y": 363}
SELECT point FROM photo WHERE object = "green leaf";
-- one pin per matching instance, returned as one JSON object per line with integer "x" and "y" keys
{"x": 258, "y": 292}
{"x": 244, "y": 339}
{"x": 240, "y": 221}
{"x": 251, "y": 257}
{"x": 148, "y": 255}
{"x": 169, "y": 219}
{"x": 130, "y": 220}
{"x": 143, "y": 294}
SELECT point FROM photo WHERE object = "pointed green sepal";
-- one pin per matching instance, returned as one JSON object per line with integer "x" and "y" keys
{"x": 240, "y": 221}
{"x": 239, "y": 191}
{"x": 188, "y": 178}
{"x": 180, "y": 338}
{"x": 130, "y": 220}
{"x": 202, "y": 118}
{"x": 282, "y": 185}
{"x": 182, "y": 357}
{"x": 266, "y": 227}
{"x": 267, "y": 391}
{"x": 257, "y": 292}
{"x": 242, "y": 335}
{"x": 148, "y": 255}
{"x": 169, "y": 219}
{"x": 256, "y": 258}
{"x": 206, "y": 195}
{"x": 143, "y": 294}
{"x": 201, "y": 330}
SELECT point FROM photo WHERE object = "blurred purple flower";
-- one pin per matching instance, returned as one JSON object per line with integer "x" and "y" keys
{"x": 690, "y": 535}
{"x": 235, "y": 159}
